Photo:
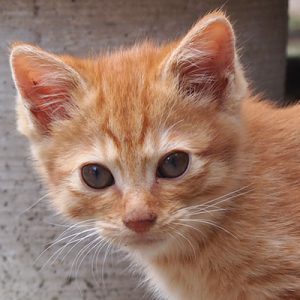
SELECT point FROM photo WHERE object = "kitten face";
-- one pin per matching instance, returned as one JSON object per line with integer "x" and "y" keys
{"x": 127, "y": 112}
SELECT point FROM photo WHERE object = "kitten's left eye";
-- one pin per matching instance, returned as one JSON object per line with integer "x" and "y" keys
{"x": 173, "y": 165}
{"x": 97, "y": 176}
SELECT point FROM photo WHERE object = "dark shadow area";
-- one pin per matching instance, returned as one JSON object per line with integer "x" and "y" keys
{"x": 292, "y": 81}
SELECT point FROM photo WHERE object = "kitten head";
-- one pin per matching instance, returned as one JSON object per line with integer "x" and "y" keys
{"x": 139, "y": 140}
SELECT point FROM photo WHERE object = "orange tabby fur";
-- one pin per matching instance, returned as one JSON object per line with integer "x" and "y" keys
{"x": 126, "y": 112}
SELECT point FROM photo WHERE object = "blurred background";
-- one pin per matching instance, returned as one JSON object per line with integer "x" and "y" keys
{"x": 292, "y": 86}
{"x": 270, "y": 54}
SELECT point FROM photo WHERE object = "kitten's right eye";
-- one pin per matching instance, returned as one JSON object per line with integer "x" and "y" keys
{"x": 97, "y": 176}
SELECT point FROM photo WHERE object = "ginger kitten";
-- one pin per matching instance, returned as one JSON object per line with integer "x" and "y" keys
{"x": 177, "y": 164}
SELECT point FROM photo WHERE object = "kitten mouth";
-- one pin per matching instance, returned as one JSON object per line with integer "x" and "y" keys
{"x": 141, "y": 240}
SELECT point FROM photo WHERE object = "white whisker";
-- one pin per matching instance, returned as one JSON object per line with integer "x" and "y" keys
{"x": 211, "y": 224}
{"x": 190, "y": 226}
{"x": 59, "y": 240}
{"x": 95, "y": 233}
{"x": 33, "y": 205}
{"x": 104, "y": 260}
{"x": 185, "y": 238}
{"x": 98, "y": 251}
{"x": 81, "y": 256}
{"x": 56, "y": 254}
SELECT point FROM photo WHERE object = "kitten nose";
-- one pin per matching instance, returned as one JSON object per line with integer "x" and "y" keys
{"x": 139, "y": 222}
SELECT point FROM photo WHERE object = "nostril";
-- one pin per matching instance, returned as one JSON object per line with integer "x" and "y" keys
{"x": 140, "y": 224}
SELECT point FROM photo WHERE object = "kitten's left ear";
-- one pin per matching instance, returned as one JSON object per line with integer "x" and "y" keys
{"x": 205, "y": 61}
{"x": 46, "y": 86}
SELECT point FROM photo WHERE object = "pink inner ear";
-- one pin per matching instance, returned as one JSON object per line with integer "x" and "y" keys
{"x": 208, "y": 59}
{"x": 201, "y": 75}
{"x": 47, "y": 105}
{"x": 46, "y": 96}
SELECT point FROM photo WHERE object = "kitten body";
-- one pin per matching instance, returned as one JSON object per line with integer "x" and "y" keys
{"x": 227, "y": 227}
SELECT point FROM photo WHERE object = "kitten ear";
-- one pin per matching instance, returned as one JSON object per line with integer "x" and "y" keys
{"x": 45, "y": 85}
{"x": 205, "y": 61}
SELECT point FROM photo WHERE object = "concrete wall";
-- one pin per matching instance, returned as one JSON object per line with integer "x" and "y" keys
{"x": 79, "y": 27}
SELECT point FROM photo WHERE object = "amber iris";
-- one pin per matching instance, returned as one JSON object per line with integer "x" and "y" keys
{"x": 97, "y": 176}
{"x": 173, "y": 165}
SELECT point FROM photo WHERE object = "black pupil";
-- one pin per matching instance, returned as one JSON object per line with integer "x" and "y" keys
{"x": 97, "y": 176}
{"x": 173, "y": 165}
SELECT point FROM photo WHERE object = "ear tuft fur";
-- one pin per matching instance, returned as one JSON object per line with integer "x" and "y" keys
{"x": 45, "y": 84}
{"x": 205, "y": 61}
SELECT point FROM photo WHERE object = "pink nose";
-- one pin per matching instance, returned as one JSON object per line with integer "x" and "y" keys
{"x": 139, "y": 222}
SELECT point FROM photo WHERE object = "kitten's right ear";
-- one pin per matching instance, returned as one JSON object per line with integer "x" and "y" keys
{"x": 46, "y": 86}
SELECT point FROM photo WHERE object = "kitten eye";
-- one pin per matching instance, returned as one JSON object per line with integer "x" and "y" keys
{"x": 97, "y": 176}
{"x": 173, "y": 165}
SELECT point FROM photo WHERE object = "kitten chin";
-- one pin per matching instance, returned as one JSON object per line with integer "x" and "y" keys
{"x": 162, "y": 151}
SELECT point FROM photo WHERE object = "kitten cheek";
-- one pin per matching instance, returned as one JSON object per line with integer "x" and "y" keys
{"x": 72, "y": 200}
{"x": 219, "y": 172}
{"x": 81, "y": 206}
{"x": 198, "y": 164}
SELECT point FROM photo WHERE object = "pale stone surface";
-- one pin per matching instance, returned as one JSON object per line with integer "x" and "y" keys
{"x": 81, "y": 27}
